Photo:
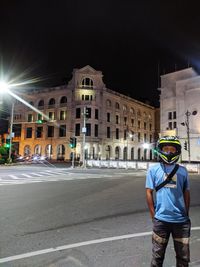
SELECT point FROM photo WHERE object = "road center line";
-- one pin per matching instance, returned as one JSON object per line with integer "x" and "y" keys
{"x": 75, "y": 245}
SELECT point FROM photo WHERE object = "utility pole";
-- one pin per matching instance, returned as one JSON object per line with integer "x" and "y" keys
{"x": 84, "y": 132}
{"x": 186, "y": 123}
{"x": 188, "y": 133}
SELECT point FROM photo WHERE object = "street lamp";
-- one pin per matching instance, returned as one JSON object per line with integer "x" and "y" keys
{"x": 4, "y": 88}
{"x": 186, "y": 123}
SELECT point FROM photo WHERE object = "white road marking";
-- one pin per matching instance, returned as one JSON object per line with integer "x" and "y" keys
{"x": 13, "y": 176}
{"x": 76, "y": 245}
{"x": 26, "y": 175}
{"x": 36, "y": 174}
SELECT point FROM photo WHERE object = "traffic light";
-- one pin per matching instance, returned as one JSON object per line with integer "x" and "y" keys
{"x": 72, "y": 142}
{"x": 7, "y": 144}
{"x": 185, "y": 145}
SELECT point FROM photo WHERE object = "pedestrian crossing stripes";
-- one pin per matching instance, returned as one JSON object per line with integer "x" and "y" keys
{"x": 56, "y": 175}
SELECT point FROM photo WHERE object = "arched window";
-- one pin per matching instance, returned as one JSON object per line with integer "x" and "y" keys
{"x": 125, "y": 153}
{"x": 61, "y": 152}
{"x": 63, "y": 100}
{"x": 132, "y": 153}
{"x": 41, "y": 103}
{"x": 38, "y": 150}
{"x": 108, "y": 152}
{"x": 87, "y": 83}
{"x": 27, "y": 150}
{"x": 52, "y": 102}
{"x": 117, "y": 152}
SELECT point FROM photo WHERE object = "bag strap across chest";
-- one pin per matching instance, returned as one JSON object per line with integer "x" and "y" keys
{"x": 168, "y": 179}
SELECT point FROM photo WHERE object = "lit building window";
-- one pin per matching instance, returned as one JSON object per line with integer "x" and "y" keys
{"x": 52, "y": 115}
{"x": 87, "y": 83}
{"x": 63, "y": 115}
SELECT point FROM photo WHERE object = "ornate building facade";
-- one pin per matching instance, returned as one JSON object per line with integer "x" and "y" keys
{"x": 180, "y": 110}
{"x": 106, "y": 124}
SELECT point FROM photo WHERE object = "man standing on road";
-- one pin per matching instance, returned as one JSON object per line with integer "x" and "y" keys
{"x": 170, "y": 212}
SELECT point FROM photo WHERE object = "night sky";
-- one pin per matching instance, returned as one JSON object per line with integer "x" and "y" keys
{"x": 130, "y": 41}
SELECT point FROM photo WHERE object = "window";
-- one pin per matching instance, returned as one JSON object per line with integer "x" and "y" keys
{"x": 50, "y": 132}
{"x": 174, "y": 124}
{"x": 87, "y": 83}
{"x": 88, "y": 129}
{"x": 117, "y": 119}
{"x": 150, "y": 126}
{"x": 77, "y": 129}
{"x": 41, "y": 103}
{"x": 145, "y": 125}
{"x": 117, "y": 133}
{"x": 150, "y": 138}
{"x": 63, "y": 115}
{"x": 52, "y": 115}
{"x": 62, "y": 131}
{"x": 88, "y": 113}
{"x": 108, "y": 132}
{"x": 169, "y": 115}
{"x": 132, "y": 122}
{"x": 117, "y": 105}
{"x": 125, "y": 134}
{"x": 78, "y": 113}
{"x": 145, "y": 138}
{"x": 139, "y": 136}
{"x": 96, "y": 130}
{"x": 174, "y": 115}
{"x": 87, "y": 97}
{"x": 63, "y": 100}
{"x": 29, "y": 132}
{"x": 17, "y": 129}
{"x": 138, "y": 124}
{"x": 39, "y": 131}
{"x": 170, "y": 125}
{"x": 30, "y": 117}
{"x": 125, "y": 120}
{"x": 96, "y": 114}
{"x": 52, "y": 102}
{"x": 108, "y": 117}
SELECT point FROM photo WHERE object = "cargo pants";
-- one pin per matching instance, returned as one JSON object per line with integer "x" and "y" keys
{"x": 160, "y": 237}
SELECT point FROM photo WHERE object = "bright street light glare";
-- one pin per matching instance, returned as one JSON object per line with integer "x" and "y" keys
{"x": 3, "y": 87}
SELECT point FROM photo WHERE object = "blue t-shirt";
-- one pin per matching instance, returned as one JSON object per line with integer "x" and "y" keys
{"x": 169, "y": 203}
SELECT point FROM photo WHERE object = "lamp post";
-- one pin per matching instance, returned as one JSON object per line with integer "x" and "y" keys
{"x": 4, "y": 88}
{"x": 11, "y": 133}
{"x": 84, "y": 133}
{"x": 187, "y": 124}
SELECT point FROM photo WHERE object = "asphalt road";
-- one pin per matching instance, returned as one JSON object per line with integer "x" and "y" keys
{"x": 78, "y": 217}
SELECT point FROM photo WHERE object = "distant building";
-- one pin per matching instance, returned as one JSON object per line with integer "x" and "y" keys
{"x": 179, "y": 104}
{"x": 117, "y": 126}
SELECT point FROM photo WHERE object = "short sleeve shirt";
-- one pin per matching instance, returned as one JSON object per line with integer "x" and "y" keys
{"x": 169, "y": 203}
